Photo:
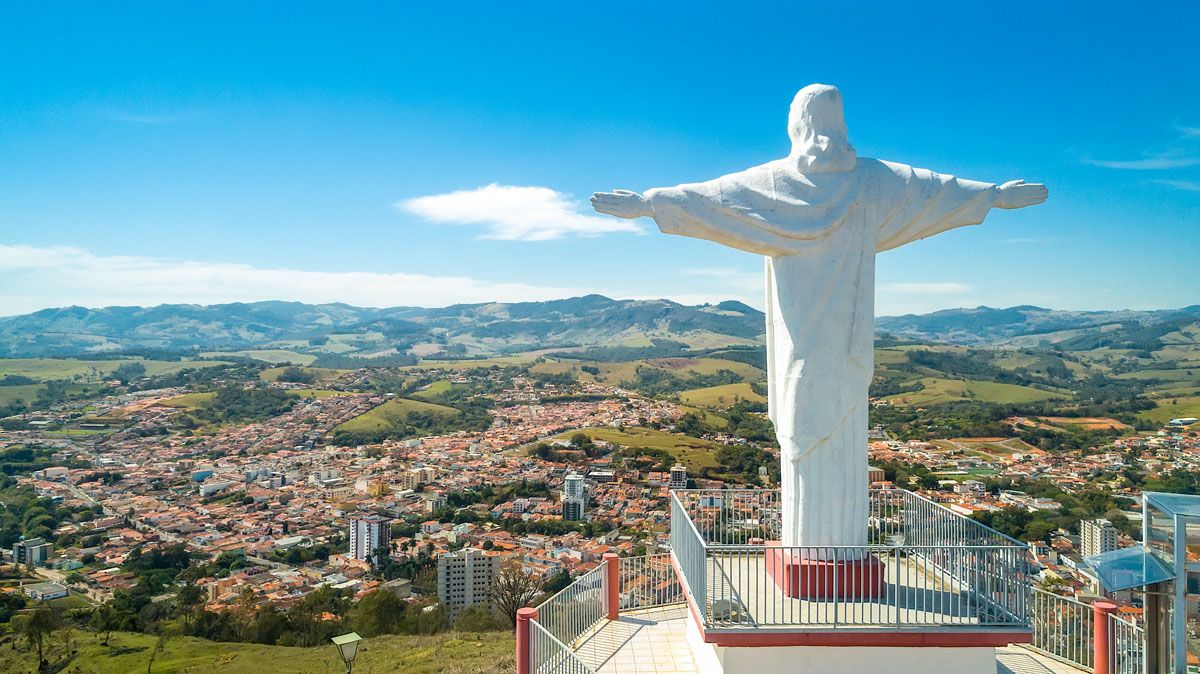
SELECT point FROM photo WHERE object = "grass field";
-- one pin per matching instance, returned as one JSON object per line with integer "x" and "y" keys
{"x": 393, "y": 413}
{"x": 691, "y": 452}
{"x": 435, "y": 389}
{"x": 25, "y": 393}
{"x": 615, "y": 373}
{"x": 948, "y": 390}
{"x": 266, "y": 355}
{"x": 190, "y": 401}
{"x": 1172, "y": 408}
{"x": 721, "y": 396}
{"x": 66, "y": 368}
{"x": 487, "y": 653}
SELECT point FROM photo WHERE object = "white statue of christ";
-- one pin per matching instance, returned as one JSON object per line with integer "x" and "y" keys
{"x": 819, "y": 216}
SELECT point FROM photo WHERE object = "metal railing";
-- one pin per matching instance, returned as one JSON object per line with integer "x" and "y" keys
{"x": 648, "y": 582}
{"x": 549, "y": 655}
{"x": 690, "y": 552}
{"x": 1127, "y": 643}
{"x": 924, "y": 565}
{"x": 576, "y": 609}
{"x": 1063, "y": 628}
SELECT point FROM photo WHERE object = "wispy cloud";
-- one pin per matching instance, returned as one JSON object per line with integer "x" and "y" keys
{"x": 1147, "y": 164}
{"x": 1186, "y": 185}
{"x": 1189, "y": 131}
{"x": 516, "y": 213}
{"x": 39, "y": 277}
{"x": 926, "y": 288}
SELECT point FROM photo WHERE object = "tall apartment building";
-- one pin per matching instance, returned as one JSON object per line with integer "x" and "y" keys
{"x": 31, "y": 551}
{"x": 465, "y": 578}
{"x": 1097, "y": 537}
{"x": 368, "y": 534}
{"x": 409, "y": 479}
{"x": 678, "y": 479}
{"x": 574, "y": 497}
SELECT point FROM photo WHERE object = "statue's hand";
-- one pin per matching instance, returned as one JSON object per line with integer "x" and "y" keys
{"x": 1019, "y": 194}
{"x": 621, "y": 203}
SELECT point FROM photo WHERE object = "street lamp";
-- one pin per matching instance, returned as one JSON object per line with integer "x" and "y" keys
{"x": 347, "y": 648}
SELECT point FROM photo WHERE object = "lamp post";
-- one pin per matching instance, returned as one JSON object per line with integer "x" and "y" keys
{"x": 347, "y": 645}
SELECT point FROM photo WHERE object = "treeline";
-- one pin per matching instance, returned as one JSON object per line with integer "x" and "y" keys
{"x": 973, "y": 419}
{"x": 653, "y": 381}
{"x": 238, "y": 404}
{"x": 472, "y": 416}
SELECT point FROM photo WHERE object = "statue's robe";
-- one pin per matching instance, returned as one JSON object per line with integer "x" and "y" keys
{"x": 819, "y": 232}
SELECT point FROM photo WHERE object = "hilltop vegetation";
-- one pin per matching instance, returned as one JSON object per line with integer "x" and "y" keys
{"x": 448, "y": 653}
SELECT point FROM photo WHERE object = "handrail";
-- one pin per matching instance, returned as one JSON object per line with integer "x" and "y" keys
{"x": 576, "y": 609}
{"x": 1127, "y": 646}
{"x": 945, "y": 569}
{"x": 548, "y": 655}
{"x": 1062, "y": 628}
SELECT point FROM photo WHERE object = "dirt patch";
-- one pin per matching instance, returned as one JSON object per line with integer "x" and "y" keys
{"x": 1090, "y": 423}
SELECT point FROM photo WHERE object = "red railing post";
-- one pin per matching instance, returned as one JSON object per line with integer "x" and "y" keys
{"x": 611, "y": 585}
{"x": 525, "y": 639}
{"x": 1100, "y": 635}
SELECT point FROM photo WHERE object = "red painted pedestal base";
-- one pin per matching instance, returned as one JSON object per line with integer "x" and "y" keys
{"x": 821, "y": 579}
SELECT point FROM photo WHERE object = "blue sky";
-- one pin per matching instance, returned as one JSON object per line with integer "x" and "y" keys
{"x": 153, "y": 153}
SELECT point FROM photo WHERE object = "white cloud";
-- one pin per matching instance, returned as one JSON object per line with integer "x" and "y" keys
{"x": 926, "y": 288}
{"x": 34, "y": 278}
{"x": 1147, "y": 164}
{"x": 516, "y": 213}
{"x": 1187, "y": 185}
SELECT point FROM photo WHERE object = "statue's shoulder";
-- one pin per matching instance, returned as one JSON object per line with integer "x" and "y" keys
{"x": 882, "y": 167}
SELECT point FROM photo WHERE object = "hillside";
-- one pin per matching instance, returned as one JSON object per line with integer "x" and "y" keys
{"x": 340, "y": 336}
{"x": 449, "y": 653}
{"x": 305, "y": 333}
{"x": 1035, "y": 326}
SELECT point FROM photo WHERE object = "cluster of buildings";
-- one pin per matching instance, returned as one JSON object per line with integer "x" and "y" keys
{"x": 277, "y": 492}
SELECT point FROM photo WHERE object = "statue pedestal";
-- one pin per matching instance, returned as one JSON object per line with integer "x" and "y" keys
{"x": 802, "y": 578}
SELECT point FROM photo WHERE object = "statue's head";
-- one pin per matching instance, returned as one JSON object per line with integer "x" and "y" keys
{"x": 817, "y": 128}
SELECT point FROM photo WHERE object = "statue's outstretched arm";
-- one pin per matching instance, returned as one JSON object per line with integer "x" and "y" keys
{"x": 1019, "y": 194}
{"x": 622, "y": 204}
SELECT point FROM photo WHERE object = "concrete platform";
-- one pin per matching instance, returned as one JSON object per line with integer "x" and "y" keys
{"x": 654, "y": 641}
{"x": 742, "y": 593}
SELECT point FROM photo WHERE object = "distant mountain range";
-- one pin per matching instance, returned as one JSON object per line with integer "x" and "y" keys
{"x": 1035, "y": 326}
{"x": 341, "y": 331}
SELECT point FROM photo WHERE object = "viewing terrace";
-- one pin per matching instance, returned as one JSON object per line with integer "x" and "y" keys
{"x": 940, "y": 580}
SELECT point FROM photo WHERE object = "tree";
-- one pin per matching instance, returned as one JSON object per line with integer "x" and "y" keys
{"x": 189, "y": 597}
{"x": 160, "y": 645}
{"x": 37, "y": 626}
{"x": 105, "y": 619}
{"x": 127, "y": 372}
{"x": 514, "y": 590}
{"x": 557, "y": 582}
{"x": 378, "y": 612}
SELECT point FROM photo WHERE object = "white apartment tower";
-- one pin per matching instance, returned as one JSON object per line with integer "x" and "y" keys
{"x": 465, "y": 578}
{"x": 678, "y": 479}
{"x": 1097, "y": 537}
{"x": 574, "y": 498}
{"x": 368, "y": 534}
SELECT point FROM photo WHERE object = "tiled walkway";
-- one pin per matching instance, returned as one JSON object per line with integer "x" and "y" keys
{"x": 653, "y": 641}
